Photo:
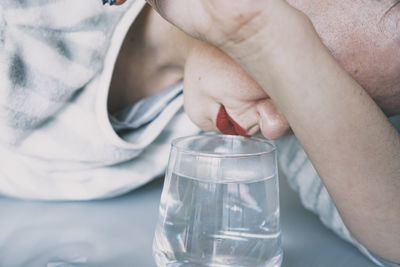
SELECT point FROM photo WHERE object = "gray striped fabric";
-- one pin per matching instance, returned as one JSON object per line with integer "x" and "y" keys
{"x": 145, "y": 111}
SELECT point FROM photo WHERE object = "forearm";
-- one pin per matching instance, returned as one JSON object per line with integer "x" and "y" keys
{"x": 350, "y": 141}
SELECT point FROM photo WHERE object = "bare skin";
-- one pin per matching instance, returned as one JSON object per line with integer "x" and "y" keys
{"x": 156, "y": 54}
{"x": 332, "y": 69}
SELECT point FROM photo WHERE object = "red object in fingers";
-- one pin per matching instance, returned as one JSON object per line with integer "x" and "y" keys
{"x": 227, "y": 125}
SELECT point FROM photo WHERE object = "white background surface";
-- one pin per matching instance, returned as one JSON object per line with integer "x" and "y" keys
{"x": 119, "y": 232}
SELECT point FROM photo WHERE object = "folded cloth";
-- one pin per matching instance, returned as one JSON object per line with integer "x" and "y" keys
{"x": 146, "y": 110}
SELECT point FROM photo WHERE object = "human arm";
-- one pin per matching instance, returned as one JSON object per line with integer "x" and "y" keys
{"x": 348, "y": 138}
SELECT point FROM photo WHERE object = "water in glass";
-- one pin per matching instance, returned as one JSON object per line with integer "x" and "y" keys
{"x": 228, "y": 221}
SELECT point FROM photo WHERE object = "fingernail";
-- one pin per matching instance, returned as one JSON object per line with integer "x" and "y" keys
{"x": 227, "y": 125}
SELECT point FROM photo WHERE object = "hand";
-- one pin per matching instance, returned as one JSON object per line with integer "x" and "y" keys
{"x": 226, "y": 24}
{"x": 213, "y": 79}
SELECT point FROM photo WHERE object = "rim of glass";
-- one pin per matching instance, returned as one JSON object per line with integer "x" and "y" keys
{"x": 175, "y": 145}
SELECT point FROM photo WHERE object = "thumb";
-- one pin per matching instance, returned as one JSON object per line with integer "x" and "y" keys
{"x": 273, "y": 123}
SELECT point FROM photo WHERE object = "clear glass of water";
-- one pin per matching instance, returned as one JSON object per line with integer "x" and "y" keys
{"x": 220, "y": 204}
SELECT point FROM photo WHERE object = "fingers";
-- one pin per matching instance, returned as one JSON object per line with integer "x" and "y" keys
{"x": 201, "y": 110}
{"x": 213, "y": 79}
{"x": 271, "y": 122}
{"x": 227, "y": 125}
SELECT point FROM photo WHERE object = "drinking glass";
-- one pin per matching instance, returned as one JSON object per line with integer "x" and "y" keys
{"x": 220, "y": 204}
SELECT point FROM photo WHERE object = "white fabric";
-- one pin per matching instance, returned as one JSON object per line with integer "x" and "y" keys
{"x": 64, "y": 148}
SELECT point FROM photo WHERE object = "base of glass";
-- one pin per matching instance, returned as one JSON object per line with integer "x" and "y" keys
{"x": 162, "y": 260}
